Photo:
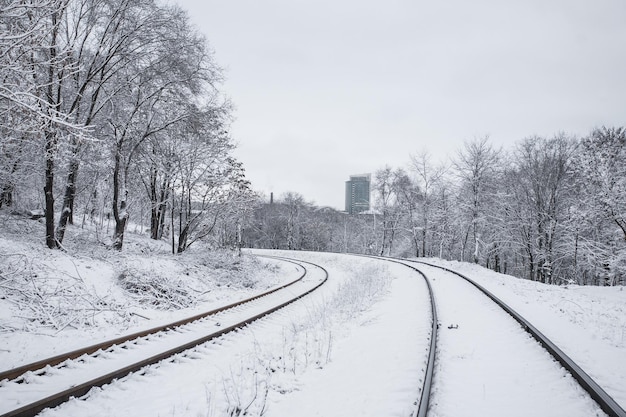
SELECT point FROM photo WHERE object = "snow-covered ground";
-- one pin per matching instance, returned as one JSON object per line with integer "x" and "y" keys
{"x": 488, "y": 364}
{"x": 300, "y": 361}
{"x": 587, "y": 323}
{"x": 53, "y": 301}
{"x": 356, "y": 346}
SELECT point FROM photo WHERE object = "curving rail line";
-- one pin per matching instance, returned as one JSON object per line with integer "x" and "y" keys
{"x": 605, "y": 401}
{"x": 81, "y": 389}
{"x": 38, "y": 366}
{"x": 424, "y": 400}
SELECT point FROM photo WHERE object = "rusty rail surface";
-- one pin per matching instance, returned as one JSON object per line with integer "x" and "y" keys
{"x": 54, "y": 400}
{"x": 55, "y": 360}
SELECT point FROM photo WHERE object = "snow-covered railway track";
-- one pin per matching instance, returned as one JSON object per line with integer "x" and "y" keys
{"x": 487, "y": 364}
{"x": 27, "y": 390}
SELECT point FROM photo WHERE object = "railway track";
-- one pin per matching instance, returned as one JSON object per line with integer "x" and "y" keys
{"x": 439, "y": 280}
{"x": 443, "y": 360}
{"x": 28, "y": 389}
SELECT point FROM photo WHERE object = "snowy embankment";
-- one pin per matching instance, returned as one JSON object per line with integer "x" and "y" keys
{"x": 53, "y": 301}
{"x": 381, "y": 318}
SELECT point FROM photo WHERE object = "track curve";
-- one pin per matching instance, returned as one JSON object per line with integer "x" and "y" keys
{"x": 597, "y": 394}
{"x": 32, "y": 408}
{"x": 424, "y": 398}
{"x": 14, "y": 373}
{"x": 604, "y": 401}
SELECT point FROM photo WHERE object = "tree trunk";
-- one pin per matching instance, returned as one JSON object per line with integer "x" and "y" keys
{"x": 159, "y": 208}
{"x": 496, "y": 258}
{"x": 120, "y": 227}
{"x": 119, "y": 203}
{"x": 49, "y": 189}
{"x": 621, "y": 224}
{"x": 392, "y": 234}
{"x": 182, "y": 239}
{"x": 50, "y": 135}
{"x": 6, "y": 194}
{"x": 416, "y": 243}
{"x": 531, "y": 265}
{"x": 154, "y": 222}
{"x": 476, "y": 253}
{"x": 67, "y": 211}
{"x": 464, "y": 245}
{"x": 154, "y": 210}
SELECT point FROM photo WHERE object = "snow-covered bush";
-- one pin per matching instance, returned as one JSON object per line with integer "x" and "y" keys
{"x": 157, "y": 291}
{"x": 88, "y": 285}
{"x": 44, "y": 297}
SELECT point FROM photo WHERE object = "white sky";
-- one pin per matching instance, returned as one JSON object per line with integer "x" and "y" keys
{"x": 328, "y": 88}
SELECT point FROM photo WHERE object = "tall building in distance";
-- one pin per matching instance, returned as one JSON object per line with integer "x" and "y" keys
{"x": 358, "y": 193}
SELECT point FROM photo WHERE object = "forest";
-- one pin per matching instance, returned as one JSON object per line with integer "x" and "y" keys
{"x": 113, "y": 118}
{"x": 551, "y": 210}
{"x": 113, "y": 106}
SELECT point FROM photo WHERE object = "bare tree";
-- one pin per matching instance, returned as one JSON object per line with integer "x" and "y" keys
{"x": 208, "y": 178}
{"x": 543, "y": 177}
{"x": 385, "y": 201}
{"x": 34, "y": 66}
{"x": 294, "y": 205}
{"x": 600, "y": 218}
{"x": 170, "y": 75}
{"x": 476, "y": 168}
{"x": 101, "y": 36}
{"x": 603, "y": 161}
{"x": 408, "y": 197}
{"x": 427, "y": 176}
{"x": 158, "y": 170}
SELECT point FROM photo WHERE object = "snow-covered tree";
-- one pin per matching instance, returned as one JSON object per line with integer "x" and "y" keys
{"x": 476, "y": 167}
{"x": 541, "y": 183}
{"x": 427, "y": 176}
{"x": 601, "y": 212}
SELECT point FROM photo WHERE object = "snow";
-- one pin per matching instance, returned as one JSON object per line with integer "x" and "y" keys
{"x": 52, "y": 302}
{"x": 265, "y": 366}
{"x": 127, "y": 354}
{"x": 587, "y": 323}
{"x": 355, "y": 346}
{"x": 377, "y": 370}
{"x": 488, "y": 364}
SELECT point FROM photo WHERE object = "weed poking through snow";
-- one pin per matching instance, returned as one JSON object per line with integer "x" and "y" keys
{"x": 307, "y": 343}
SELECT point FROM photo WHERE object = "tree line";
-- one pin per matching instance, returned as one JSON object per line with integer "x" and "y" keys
{"x": 112, "y": 107}
{"x": 551, "y": 210}
{"x": 111, "y": 114}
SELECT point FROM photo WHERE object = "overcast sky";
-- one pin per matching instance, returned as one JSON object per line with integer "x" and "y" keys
{"x": 328, "y": 88}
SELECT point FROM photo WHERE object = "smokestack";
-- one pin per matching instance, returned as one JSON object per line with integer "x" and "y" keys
{"x": 271, "y": 198}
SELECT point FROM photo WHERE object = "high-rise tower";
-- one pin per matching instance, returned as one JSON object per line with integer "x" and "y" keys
{"x": 358, "y": 193}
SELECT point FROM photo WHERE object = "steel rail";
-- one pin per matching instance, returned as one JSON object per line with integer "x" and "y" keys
{"x": 55, "y": 360}
{"x": 32, "y": 409}
{"x": 424, "y": 400}
{"x": 601, "y": 397}
{"x": 422, "y": 409}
